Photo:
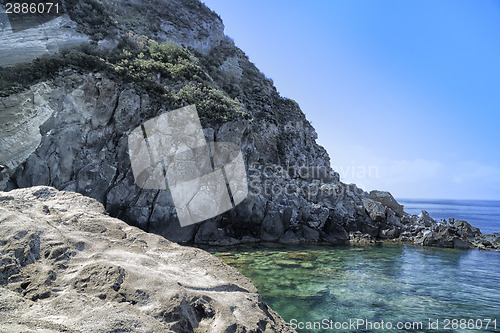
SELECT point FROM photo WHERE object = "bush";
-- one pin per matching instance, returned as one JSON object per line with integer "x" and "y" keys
{"x": 17, "y": 78}
{"x": 168, "y": 52}
{"x": 168, "y": 73}
{"x": 213, "y": 105}
{"x": 92, "y": 17}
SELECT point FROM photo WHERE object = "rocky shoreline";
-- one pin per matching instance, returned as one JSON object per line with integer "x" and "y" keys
{"x": 67, "y": 265}
{"x": 70, "y": 129}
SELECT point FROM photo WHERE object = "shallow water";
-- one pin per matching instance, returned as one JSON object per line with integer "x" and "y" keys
{"x": 389, "y": 282}
{"x": 483, "y": 214}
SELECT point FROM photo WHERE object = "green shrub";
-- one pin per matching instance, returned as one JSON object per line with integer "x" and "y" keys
{"x": 167, "y": 72}
{"x": 213, "y": 105}
{"x": 168, "y": 52}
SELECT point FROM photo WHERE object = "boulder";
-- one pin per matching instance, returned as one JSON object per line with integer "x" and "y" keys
{"x": 375, "y": 209}
{"x": 272, "y": 227}
{"x": 335, "y": 233}
{"x": 358, "y": 237}
{"x": 465, "y": 229}
{"x": 461, "y": 243}
{"x": 289, "y": 238}
{"x": 487, "y": 242}
{"x": 308, "y": 234}
{"x": 386, "y": 199}
{"x": 425, "y": 219}
{"x": 443, "y": 236}
{"x": 316, "y": 215}
{"x": 69, "y": 267}
{"x": 392, "y": 219}
{"x": 390, "y": 233}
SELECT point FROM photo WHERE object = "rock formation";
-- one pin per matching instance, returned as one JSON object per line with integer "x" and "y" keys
{"x": 66, "y": 266}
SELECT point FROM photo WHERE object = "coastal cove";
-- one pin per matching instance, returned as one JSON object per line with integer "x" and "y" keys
{"x": 153, "y": 178}
{"x": 393, "y": 282}
{"x": 387, "y": 282}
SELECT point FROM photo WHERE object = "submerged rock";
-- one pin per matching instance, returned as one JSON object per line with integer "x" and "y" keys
{"x": 67, "y": 266}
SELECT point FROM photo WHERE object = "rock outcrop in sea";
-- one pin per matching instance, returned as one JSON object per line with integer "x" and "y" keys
{"x": 65, "y": 120}
{"x": 66, "y": 266}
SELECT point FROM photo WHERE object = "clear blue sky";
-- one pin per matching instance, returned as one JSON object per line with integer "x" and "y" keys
{"x": 404, "y": 95}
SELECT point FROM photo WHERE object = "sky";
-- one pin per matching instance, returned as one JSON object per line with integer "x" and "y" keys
{"x": 404, "y": 95}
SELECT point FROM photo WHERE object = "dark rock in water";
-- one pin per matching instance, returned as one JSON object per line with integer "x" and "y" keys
{"x": 289, "y": 237}
{"x": 272, "y": 226}
{"x": 391, "y": 233}
{"x": 68, "y": 267}
{"x": 358, "y": 237}
{"x": 443, "y": 236}
{"x": 461, "y": 244}
{"x": 465, "y": 229}
{"x": 308, "y": 234}
{"x": 335, "y": 233}
{"x": 425, "y": 219}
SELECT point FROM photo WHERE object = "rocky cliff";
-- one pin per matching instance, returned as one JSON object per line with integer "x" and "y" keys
{"x": 66, "y": 119}
{"x": 66, "y": 266}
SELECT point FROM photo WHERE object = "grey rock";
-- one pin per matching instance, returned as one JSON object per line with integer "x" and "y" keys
{"x": 443, "y": 236}
{"x": 461, "y": 244}
{"x": 308, "y": 234}
{"x": 66, "y": 266}
{"x": 465, "y": 229}
{"x": 425, "y": 219}
{"x": 375, "y": 209}
{"x": 392, "y": 219}
{"x": 390, "y": 233}
{"x": 386, "y": 199}
{"x": 28, "y": 44}
{"x": 316, "y": 215}
{"x": 272, "y": 226}
{"x": 20, "y": 119}
{"x": 487, "y": 242}
{"x": 359, "y": 237}
{"x": 289, "y": 237}
{"x": 335, "y": 233}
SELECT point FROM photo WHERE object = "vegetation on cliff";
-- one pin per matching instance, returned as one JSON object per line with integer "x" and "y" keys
{"x": 167, "y": 72}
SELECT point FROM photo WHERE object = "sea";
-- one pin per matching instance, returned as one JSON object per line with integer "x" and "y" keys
{"x": 386, "y": 287}
{"x": 482, "y": 214}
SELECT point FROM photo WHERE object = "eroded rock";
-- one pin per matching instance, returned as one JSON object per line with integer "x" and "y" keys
{"x": 66, "y": 266}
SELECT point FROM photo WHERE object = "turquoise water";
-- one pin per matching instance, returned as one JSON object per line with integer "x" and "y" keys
{"x": 483, "y": 214}
{"x": 393, "y": 283}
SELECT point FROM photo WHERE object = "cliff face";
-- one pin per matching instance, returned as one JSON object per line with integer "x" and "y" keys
{"x": 84, "y": 118}
{"x": 68, "y": 267}
{"x": 69, "y": 127}
{"x": 28, "y": 44}
{"x": 26, "y": 37}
